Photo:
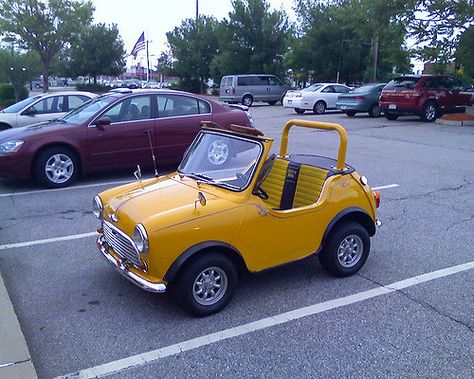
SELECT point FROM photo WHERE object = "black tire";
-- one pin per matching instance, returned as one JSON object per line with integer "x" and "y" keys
{"x": 350, "y": 113}
{"x": 374, "y": 111}
{"x": 247, "y": 100}
{"x": 429, "y": 113}
{"x": 319, "y": 107}
{"x": 57, "y": 162}
{"x": 299, "y": 110}
{"x": 391, "y": 116}
{"x": 186, "y": 289}
{"x": 4, "y": 126}
{"x": 353, "y": 242}
{"x": 272, "y": 102}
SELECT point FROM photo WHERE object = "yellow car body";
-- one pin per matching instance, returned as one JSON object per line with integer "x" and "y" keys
{"x": 185, "y": 217}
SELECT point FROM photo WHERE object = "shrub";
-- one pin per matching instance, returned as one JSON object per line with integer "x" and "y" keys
{"x": 91, "y": 87}
{"x": 189, "y": 85}
{"x": 7, "y": 94}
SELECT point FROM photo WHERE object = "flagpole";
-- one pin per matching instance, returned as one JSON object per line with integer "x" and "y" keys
{"x": 147, "y": 63}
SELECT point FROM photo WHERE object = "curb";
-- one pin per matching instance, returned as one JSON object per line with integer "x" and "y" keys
{"x": 15, "y": 359}
{"x": 454, "y": 123}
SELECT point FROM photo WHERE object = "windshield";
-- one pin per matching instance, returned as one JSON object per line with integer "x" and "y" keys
{"x": 313, "y": 87}
{"x": 88, "y": 109}
{"x": 402, "y": 83}
{"x": 20, "y": 105}
{"x": 222, "y": 160}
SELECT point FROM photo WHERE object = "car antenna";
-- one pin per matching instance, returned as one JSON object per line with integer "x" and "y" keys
{"x": 152, "y": 153}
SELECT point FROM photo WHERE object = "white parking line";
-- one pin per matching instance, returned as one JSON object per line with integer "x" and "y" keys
{"x": 386, "y": 187}
{"x": 48, "y": 240}
{"x": 154, "y": 355}
{"x": 66, "y": 188}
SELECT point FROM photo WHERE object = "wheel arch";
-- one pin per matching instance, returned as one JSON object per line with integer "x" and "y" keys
{"x": 54, "y": 145}
{"x": 196, "y": 250}
{"x": 351, "y": 214}
{"x": 5, "y": 126}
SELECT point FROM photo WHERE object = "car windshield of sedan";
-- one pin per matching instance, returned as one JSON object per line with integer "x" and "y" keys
{"x": 222, "y": 160}
{"x": 21, "y": 104}
{"x": 364, "y": 89}
{"x": 313, "y": 87}
{"x": 88, "y": 109}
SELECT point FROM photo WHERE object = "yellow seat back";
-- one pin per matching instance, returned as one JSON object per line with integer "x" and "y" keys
{"x": 273, "y": 184}
{"x": 309, "y": 185}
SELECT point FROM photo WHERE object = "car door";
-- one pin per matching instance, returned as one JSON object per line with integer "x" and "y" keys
{"x": 44, "y": 109}
{"x": 179, "y": 121}
{"x": 260, "y": 88}
{"x": 127, "y": 141}
{"x": 276, "y": 89}
{"x": 330, "y": 96}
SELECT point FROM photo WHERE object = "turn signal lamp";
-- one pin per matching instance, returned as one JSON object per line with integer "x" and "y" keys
{"x": 377, "y": 198}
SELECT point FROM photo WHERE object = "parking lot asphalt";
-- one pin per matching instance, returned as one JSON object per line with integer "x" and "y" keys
{"x": 80, "y": 318}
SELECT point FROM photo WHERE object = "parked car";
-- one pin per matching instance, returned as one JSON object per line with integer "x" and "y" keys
{"x": 427, "y": 96}
{"x": 317, "y": 97}
{"x": 119, "y": 129}
{"x": 246, "y": 89}
{"x": 151, "y": 84}
{"x": 361, "y": 100}
{"x": 132, "y": 84}
{"x": 42, "y": 107}
{"x": 193, "y": 231}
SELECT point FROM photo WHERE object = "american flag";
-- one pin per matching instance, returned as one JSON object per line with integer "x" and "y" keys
{"x": 139, "y": 45}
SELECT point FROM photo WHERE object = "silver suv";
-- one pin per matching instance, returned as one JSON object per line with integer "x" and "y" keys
{"x": 246, "y": 89}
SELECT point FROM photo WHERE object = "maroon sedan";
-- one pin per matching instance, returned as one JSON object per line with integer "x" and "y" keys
{"x": 116, "y": 130}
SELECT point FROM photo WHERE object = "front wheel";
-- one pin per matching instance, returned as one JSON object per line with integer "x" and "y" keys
{"x": 57, "y": 167}
{"x": 319, "y": 107}
{"x": 374, "y": 111}
{"x": 346, "y": 250}
{"x": 207, "y": 284}
{"x": 429, "y": 113}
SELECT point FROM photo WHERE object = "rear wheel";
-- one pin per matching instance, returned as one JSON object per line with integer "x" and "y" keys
{"x": 272, "y": 102}
{"x": 206, "y": 284}
{"x": 429, "y": 113}
{"x": 319, "y": 107}
{"x": 346, "y": 250}
{"x": 374, "y": 111}
{"x": 391, "y": 116}
{"x": 350, "y": 113}
{"x": 247, "y": 100}
{"x": 57, "y": 167}
{"x": 299, "y": 110}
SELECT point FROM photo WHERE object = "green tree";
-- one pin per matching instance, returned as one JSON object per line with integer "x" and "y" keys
{"x": 253, "y": 40}
{"x": 193, "y": 45}
{"x": 465, "y": 52}
{"x": 18, "y": 68}
{"x": 44, "y": 27}
{"x": 437, "y": 26}
{"x": 89, "y": 57}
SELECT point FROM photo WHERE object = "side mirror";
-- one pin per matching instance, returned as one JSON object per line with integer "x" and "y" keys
{"x": 102, "y": 122}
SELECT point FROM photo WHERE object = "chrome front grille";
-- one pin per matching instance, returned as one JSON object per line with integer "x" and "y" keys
{"x": 120, "y": 243}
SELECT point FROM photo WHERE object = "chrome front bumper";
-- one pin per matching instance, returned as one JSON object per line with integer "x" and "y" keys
{"x": 122, "y": 267}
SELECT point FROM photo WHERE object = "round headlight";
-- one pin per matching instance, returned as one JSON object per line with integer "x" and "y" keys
{"x": 97, "y": 207}
{"x": 140, "y": 239}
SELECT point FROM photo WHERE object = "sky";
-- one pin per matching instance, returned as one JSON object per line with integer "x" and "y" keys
{"x": 157, "y": 17}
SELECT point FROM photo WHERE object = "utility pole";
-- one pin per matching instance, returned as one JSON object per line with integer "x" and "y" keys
{"x": 197, "y": 10}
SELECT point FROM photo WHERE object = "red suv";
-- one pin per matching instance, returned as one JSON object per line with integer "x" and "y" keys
{"x": 427, "y": 96}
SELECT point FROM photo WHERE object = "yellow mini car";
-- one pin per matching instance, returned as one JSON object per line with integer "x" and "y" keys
{"x": 233, "y": 206}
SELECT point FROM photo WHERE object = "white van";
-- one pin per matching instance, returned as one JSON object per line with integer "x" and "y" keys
{"x": 246, "y": 89}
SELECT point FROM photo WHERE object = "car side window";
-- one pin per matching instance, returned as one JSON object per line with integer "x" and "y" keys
{"x": 244, "y": 81}
{"x": 341, "y": 89}
{"x": 53, "y": 104}
{"x": 328, "y": 89}
{"x": 260, "y": 80}
{"x": 75, "y": 101}
{"x": 204, "y": 107}
{"x": 130, "y": 109}
{"x": 177, "y": 105}
{"x": 274, "y": 81}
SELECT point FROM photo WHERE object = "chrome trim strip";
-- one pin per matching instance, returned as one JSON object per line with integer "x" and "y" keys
{"x": 122, "y": 268}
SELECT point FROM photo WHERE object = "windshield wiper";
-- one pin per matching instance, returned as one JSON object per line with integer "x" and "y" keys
{"x": 201, "y": 176}
{"x": 210, "y": 180}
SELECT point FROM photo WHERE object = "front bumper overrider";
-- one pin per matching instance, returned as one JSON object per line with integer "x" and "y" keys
{"x": 123, "y": 267}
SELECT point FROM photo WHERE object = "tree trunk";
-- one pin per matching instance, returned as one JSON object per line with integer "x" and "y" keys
{"x": 375, "y": 48}
{"x": 95, "y": 79}
{"x": 45, "y": 75}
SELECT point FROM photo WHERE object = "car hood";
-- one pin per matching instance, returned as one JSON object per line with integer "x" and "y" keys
{"x": 32, "y": 130}
{"x": 162, "y": 202}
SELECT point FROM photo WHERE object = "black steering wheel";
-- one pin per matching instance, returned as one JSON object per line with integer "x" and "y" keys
{"x": 266, "y": 168}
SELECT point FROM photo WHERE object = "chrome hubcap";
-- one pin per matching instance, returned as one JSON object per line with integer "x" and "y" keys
{"x": 59, "y": 168}
{"x": 430, "y": 112}
{"x": 218, "y": 152}
{"x": 350, "y": 251}
{"x": 210, "y": 286}
{"x": 319, "y": 108}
